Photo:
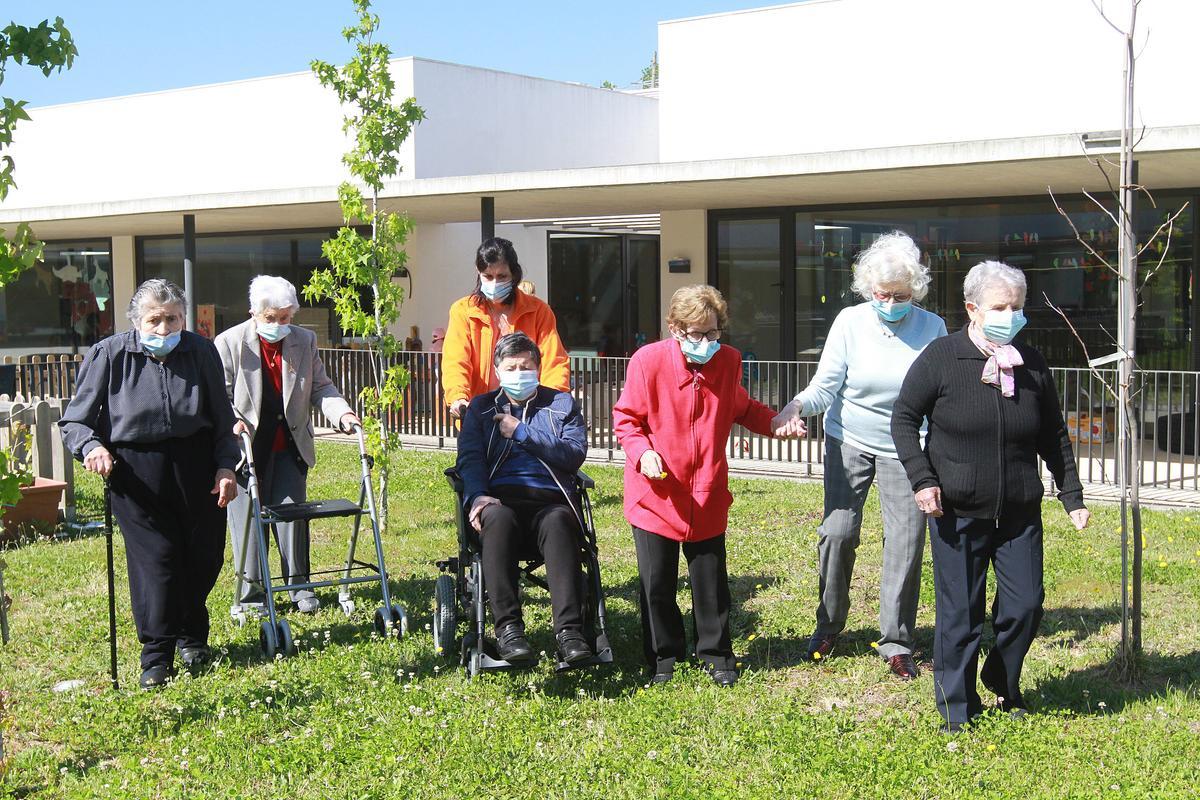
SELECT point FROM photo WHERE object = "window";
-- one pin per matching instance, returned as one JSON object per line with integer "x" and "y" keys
{"x": 225, "y": 264}
{"x": 64, "y": 302}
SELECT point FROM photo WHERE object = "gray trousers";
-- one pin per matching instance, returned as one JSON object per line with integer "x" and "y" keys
{"x": 281, "y": 480}
{"x": 849, "y": 473}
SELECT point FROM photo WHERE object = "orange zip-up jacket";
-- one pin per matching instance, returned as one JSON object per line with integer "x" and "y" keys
{"x": 467, "y": 351}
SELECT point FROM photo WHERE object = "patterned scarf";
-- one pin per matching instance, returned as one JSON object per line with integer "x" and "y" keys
{"x": 998, "y": 371}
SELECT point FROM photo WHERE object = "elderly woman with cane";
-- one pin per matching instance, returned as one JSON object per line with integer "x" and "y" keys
{"x": 150, "y": 414}
{"x": 992, "y": 409}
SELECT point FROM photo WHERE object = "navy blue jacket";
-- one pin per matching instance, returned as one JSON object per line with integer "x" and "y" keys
{"x": 553, "y": 432}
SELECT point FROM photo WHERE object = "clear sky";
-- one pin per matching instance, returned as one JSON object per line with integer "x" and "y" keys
{"x": 129, "y": 46}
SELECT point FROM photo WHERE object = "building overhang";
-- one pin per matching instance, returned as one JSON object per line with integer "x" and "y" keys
{"x": 1169, "y": 158}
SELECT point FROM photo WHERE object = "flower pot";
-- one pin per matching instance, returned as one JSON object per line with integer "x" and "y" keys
{"x": 38, "y": 502}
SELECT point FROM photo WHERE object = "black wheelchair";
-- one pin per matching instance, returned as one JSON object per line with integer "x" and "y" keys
{"x": 459, "y": 592}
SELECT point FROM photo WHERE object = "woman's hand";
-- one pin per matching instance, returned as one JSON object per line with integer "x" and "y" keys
{"x": 240, "y": 427}
{"x": 458, "y": 407}
{"x": 930, "y": 500}
{"x": 99, "y": 461}
{"x": 348, "y": 421}
{"x": 1080, "y": 518}
{"x": 224, "y": 487}
{"x": 481, "y": 502}
{"x": 651, "y": 465}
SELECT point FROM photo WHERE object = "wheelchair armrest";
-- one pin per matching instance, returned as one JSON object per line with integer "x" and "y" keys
{"x": 585, "y": 480}
{"x": 455, "y": 480}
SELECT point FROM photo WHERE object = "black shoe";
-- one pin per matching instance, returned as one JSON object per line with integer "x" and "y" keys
{"x": 1013, "y": 705}
{"x": 156, "y": 676}
{"x": 572, "y": 647}
{"x": 659, "y": 678}
{"x": 195, "y": 657}
{"x": 820, "y": 645}
{"x": 723, "y": 677}
{"x": 512, "y": 646}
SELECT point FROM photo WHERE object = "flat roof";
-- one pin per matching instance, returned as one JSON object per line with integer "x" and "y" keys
{"x": 1168, "y": 158}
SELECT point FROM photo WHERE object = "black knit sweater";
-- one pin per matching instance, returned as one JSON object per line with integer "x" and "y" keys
{"x": 982, "y": 447}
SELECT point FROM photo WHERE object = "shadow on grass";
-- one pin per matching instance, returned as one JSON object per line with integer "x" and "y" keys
{"x": 1105, "y": 689}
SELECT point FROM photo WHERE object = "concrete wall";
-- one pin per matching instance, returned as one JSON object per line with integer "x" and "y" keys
{"x": 285, "y": 132}
{"x": 684, "y": 235}
{"x": 268, "y": 133}
{"x": 441, "y": 260}
{"x": 480, "y": 121}
{"x": 124, "y": 269}
{"x": 829, "y": 75}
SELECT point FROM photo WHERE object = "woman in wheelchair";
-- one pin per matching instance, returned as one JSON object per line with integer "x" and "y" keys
{"x": 518, "y": 452}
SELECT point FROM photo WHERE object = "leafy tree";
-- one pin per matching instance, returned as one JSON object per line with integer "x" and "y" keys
{"x": 364, "y": 267}
{"x": 50, "y": 48}
{"x": 650, "y": 73}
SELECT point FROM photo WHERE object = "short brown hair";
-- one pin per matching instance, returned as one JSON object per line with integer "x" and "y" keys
{"x": 691, "y": 304}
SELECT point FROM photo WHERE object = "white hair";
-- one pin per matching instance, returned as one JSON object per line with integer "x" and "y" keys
{"x": 892, "y": 258}
{"x": 155, "y": 291}
{"x": 270, "y": 291}
{"x": 987, "y": 274}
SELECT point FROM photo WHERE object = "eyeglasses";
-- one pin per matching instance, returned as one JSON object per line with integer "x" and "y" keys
{"x": 696, "y": 337}
{"x": 895, "y": 297}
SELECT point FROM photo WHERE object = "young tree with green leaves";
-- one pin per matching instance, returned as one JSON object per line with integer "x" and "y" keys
{"x": 50, "y": 48}
{"x": 361, "y": 266}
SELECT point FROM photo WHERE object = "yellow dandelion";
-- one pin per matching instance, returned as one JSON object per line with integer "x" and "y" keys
{"x": 817, "y": 655}
{"x": 991, "y": 747}
{"x": 752, "y": 637}
{"x": 875, "y": 645}
{"x": 1170, "y": 539}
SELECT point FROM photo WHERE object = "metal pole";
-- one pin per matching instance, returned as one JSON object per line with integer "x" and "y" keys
{"x": 189, "y": 262}
{"x": 112, "y": 594}
{"x": 487, "y": 218}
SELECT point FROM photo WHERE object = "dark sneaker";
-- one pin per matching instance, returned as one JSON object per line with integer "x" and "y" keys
{"x": 156, "y": 676}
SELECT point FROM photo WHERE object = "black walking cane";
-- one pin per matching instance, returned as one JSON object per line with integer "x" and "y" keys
{"x": 112, "y": 599}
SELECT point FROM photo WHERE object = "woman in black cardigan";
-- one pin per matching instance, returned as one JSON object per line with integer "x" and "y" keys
{"x": 992, "y": 409}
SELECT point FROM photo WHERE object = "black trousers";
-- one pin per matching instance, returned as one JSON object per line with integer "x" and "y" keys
{"x": 174, "y": 539}
{"x": 529, "y": 523}
{"x": 962, "y": 550}
{"x": 663, "y": 638}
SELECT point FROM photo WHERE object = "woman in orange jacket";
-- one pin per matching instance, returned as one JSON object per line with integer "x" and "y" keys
{"x": 496, "y": 308}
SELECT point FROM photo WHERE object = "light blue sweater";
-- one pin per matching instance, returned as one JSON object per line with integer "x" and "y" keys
{"x": 858, "y": 378}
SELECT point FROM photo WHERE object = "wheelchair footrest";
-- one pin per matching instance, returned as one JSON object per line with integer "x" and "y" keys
{"x": 314, "y": 509}
{"x": 605, "y": 656}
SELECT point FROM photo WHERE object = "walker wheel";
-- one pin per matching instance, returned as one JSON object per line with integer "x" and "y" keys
{"x": 283, "y": 631}
{"x": 268, "y": 638}
{"x": 399, "y": 621}
{"x": 240, "y": 619}
{"x": 347, "y": 607}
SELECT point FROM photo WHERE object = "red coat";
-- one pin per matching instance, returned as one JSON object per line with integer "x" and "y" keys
{"x": 685, "y": 415}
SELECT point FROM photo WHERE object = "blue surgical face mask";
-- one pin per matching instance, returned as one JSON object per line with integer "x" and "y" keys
{"x": 891, "y": 312}
{"x": 272, "y": 331}
{"x": 1002, "y": 327}
{"x": 698, "y": 352}
{"x": 159, "y": 346}
{"x": 495, "y": 290}
{"x": 519, "y": 384}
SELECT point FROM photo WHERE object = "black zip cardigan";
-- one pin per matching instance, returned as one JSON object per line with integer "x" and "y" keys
{"x": 982, "y": 447}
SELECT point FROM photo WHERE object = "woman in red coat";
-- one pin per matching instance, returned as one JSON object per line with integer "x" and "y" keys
{"x": 681, "y": 399}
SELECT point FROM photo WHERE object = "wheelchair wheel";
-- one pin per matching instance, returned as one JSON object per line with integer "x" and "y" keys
{"x": 283, "y": 635}
{"x": 445, "y": 620}
{"x": 268, "y": 642}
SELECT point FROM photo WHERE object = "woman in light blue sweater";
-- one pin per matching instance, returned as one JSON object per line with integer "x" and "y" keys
{"x": 866, "y": 356}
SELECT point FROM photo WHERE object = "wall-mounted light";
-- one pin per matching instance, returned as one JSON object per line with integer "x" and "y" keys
{"x": 679, "y": 265}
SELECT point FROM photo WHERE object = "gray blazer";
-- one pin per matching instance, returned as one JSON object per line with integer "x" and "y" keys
{"x": 304, "y": 382}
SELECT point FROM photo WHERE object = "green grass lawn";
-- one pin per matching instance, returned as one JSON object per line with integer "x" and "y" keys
{"x": 355, "y": 716}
